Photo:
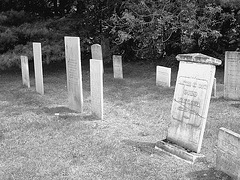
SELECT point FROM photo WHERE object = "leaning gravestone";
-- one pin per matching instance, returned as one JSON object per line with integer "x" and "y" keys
{"x": 96, "y": 84}
{"x": 163, "y": 76}
{"x": 232, "y": 75}
{"x": 117, "y": 67}
{"x": 191, "y": 102}
{"x": 25, "y": 71}
{"x": 74, "y": 73}
{"x": 37, "y": 56}
{"x": 228, "y": 153}
{"x": 96, "y": 50}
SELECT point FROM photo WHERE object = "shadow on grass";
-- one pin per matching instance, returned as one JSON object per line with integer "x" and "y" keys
{"x": 236, "y": 105}
{"x": 208, "y": 174}
{"x": 145, "y": 147}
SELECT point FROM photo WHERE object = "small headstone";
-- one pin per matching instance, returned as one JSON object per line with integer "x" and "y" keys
{"x": 228, "y": 153}
{"x": 117, "y": 67}
{"x": 191, "y": 100}
{"x": 96, "y": 50}
{"x": 214, "y": 89}
{"x": 37, "y": 56}
{"x": 96, "y": 84}
{"x": 163, "y": 76}
{"x": 74, "y": 73}
{"x": 25, "y": 71}
{"x": 232, "y": 75}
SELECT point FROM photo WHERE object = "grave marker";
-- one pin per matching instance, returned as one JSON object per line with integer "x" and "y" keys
{"x": 190, "y": 105}
{"x": 25, "y": 71}
{"x": 96, "y": 50}
{"x": 37, "y": 56}
{"x": 232, "y": 75}
{"x": 163, "y": 76}
{"x": 96, "y": 82}
{"x": 74, "y": 73}
{"x": 117, "y": 67}
{"x": 228, "y": 153}
{"x": 214, "y": 89}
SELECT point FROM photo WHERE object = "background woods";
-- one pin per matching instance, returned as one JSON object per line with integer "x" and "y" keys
{"x": 137, "y": 29}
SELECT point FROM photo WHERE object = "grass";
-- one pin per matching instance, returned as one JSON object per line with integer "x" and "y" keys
{"x": 37, "y": 144}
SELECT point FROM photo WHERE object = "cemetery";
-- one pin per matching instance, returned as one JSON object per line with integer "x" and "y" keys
{"x": 90, "y": 107}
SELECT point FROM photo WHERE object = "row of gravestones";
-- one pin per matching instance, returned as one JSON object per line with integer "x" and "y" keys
{"x": 74, "y": 74}
{"x": 189, "y": 108}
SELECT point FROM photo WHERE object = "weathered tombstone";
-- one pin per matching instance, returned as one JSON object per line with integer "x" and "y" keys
{"x": 37, "y": 56}
{"x": 96, "y": 84}
{"x": 117, "y": 67}
{"x": 96, "y": 50}
{"x": 214, "y": 89}
{"x": 163, "y": 76}
{"x": 228, "y": 153}
{"x": 74, "y": 73}
{"x": 232, "y": 75}
{"x": 190, "y": 103}
{"x": 25, "y": 71}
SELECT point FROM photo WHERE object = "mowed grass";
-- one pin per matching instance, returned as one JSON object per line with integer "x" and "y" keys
{"x": 35, "y": 143}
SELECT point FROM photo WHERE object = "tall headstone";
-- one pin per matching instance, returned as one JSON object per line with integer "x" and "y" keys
{"x": 37, "y": 56}
{"x": 117, "y": 67}
{"x": 228, "y": 153}
{"x": 214, "y": 89}
{"x": 25, "y": 71}
{"x": 191, "y": 100}
{"x": 96, "y": 84}
{"x": 163, "y": 76}
{"x": 232, "y": 75}
{"x": 74, "y": 73}
{"x": 96, "y": 50}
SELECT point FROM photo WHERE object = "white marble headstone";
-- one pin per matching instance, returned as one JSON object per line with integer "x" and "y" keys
{"x": 96, "y": 84}
{"x": 74, "y": 73}
{"x": 25, "y": 71}
{"x": 96, "y": 50}
{"x": 37, "y": 56}
{"x": 117, "y": 67}
{"x": 163, "y": 76}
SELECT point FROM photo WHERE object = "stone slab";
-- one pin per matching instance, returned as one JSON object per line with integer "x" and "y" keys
{"x": 179, "y": 152}
{"x": 96, "y": 50}
{"x": 117, "y": 67}
{"x": 163, "y": 76}
{"x": 96, "y": 84}
{"x": 228, "y": 153}
{"x": 190, "y": 104}
{"x": 37, "y": 56}
{"x": 214, "y": 89}
{"x": 232, "y": 75}
{"x": 25, "y": 71}
{"x": 74, "y": 73}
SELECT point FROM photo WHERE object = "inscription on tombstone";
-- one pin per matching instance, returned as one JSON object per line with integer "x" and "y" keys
{"x": 117, "y": 67}
{"x": 37, "y": 56}
{"x": 25, "y": 71}
{"x": 191, "y": 100}
{"x": 74, "y": 73}
{"x": 96, "y": 50}
{"x": 96, "y": 82}
{"x": 232, "y": 75}
{"x": 163, "y": 76}
{"x": 228, "y": 153}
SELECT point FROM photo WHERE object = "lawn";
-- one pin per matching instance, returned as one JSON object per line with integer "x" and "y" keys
{"x": 39, "y": 141}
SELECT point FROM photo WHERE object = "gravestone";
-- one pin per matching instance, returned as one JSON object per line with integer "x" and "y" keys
{"x": 117, "y": 67}
{"x": 214, "y": 89}
{"x": 96, "y": 84}
{"x": 232, "y": 75}
{"x": 190, "y": 106}
{"x": 74, "y": 73}
{"x": 37, "y": 56}
{"x": 163, "y": 76}
{"x": 25, "y": 71}
{"x": 228, "y": 153}
{"x": 96, "y": 50}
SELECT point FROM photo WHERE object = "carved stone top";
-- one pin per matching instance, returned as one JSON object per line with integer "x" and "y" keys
{"x": 198, "y": 58}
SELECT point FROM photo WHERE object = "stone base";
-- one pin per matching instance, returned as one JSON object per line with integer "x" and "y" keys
{"x": 178, "y": 151}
